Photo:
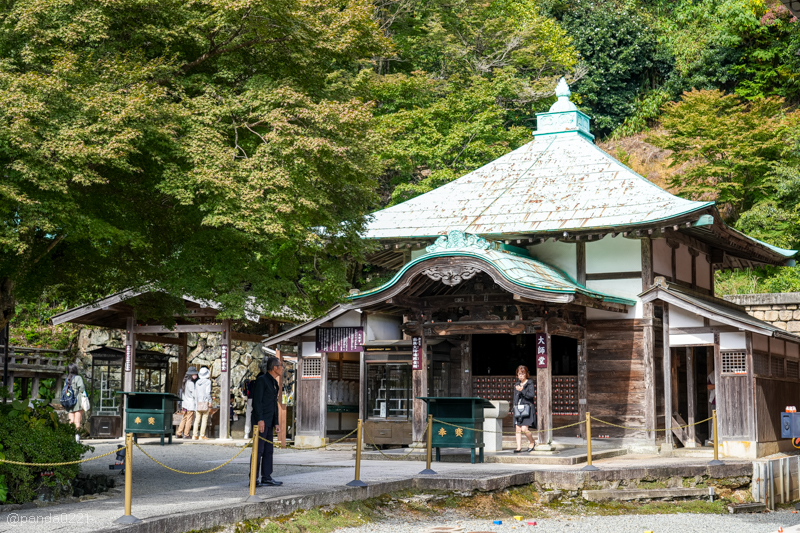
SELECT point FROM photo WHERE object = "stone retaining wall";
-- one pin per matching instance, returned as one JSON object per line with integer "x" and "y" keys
{"x": 782, "y": 310}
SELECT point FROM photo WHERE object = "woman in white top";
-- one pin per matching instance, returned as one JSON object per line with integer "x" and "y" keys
{"x": 188, "y": 405}
{"x": 202, "y": 397}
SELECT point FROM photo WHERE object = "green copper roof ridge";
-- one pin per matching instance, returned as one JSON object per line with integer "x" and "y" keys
{"x": 453, "y": 252}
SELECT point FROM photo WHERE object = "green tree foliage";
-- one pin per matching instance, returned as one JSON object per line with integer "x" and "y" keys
{"x": 617, "y": 40}
{"x": 197, "y": 146}
{"x": 462, "y": 87}
{"x": 733, "y": 148}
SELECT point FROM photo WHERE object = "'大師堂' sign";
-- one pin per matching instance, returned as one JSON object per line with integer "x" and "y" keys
{"x": 541, "y": 350}
{"x": 340, "y": 339}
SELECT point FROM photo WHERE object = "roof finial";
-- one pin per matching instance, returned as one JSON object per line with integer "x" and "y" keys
{"x": 562, "y": 89}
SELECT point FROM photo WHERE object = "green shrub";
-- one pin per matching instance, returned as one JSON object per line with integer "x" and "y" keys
{"x": 35, "y": 435}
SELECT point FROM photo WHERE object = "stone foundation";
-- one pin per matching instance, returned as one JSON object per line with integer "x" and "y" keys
{"x": 782, "y": 310}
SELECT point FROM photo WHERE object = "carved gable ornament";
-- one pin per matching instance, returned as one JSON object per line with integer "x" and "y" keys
{"x": 458, "y": 240}
{"x": 451, "y": 275}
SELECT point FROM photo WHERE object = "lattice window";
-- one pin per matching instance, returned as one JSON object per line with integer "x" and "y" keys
{"x": 777, "y": 367}
{"x": 351, "y": 371}
{"x": 792, "y": 369}
{"x": 333, "y": 369}
{"x": 761, "y": 364}
{"x": 734, "y": 363}
{"x": 312, "y": 368}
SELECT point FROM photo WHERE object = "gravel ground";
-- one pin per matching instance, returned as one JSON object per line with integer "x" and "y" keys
{"x": 672, "y": 523}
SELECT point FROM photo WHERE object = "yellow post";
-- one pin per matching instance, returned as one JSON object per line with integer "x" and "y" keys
{"x": 128, "y": 518}
{"x": 428, "y": 469}
{"x": 254, "y": 467}
{"x": 716, "y": 460}
{"x": 357, "y": 481}
{"x": 589, "y": 465}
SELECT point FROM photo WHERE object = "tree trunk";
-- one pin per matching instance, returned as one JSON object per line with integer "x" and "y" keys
{"x": 8, "y": 302}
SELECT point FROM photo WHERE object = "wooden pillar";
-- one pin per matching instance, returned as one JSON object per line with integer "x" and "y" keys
{"x": 691, "y": 395}
{"x": 23, "y": 389}
{"x": 420, "y": 388}
{"x": 718, "y": 385}
{"x": 580, "y": 262}
{"x": 281, "y": 404}
{"x": 648, "y": 342}
{"x": 668, "y": 374}
{"x": 751, "y": 387}
{"x": 225, "y": 383}
{"x": 298, "y": 386}
{"x": 323, "y": 395}
{"x": 129, "y": 363}
{"x": 544, "y": 396}
{"x": 35, "y": 388}
{"x": 182, "y": 363}
{"x": 362, "y": 372}
{"x": 466, "y": 367}
{"x": 583, "y": 385}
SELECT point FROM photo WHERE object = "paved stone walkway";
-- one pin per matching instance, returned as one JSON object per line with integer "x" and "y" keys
{"x": 168, "y": 501}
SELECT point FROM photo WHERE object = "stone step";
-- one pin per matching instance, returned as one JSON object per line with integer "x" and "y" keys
{"x": 642, "y": 494}
{"x": 572, "y": 456}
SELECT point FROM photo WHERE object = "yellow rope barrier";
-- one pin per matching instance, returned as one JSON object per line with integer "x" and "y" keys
{"x": 397, "y": 458}
{"x": 6, "y": 461}
{"x": 656, "y": 429}
{"x": 506, "y": 432}
{"x": 307, "y": 449}
{"x": 192, "y": 473}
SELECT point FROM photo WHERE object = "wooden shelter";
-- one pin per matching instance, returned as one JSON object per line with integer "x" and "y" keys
{"x": 549, "y": 257}
{"x": 116, "y": 311}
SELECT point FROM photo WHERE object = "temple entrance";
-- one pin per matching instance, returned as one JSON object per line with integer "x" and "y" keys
{"x": 495, "y": 358}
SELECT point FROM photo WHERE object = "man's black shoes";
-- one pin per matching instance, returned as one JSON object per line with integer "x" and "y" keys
{"x": 269, "y": 482}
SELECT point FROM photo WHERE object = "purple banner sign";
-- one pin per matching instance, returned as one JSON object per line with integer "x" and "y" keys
{"x": 416, "y": 353}
{"x": 340, "y": 340}
{"x": 541, "y": 350}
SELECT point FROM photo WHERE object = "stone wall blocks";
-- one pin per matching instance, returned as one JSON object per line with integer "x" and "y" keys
{"x": 785, "y": 315}
{"x": 758, "y": 314}
{"x": 796, "y": 315}
{"x": 771, "y": 316}
{"x": 793, "y": 327}
{"x": 779, "y": 324}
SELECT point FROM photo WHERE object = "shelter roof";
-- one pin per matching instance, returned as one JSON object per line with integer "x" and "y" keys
{"x": 113, "y": 311}
{"x": 712, "y": 308}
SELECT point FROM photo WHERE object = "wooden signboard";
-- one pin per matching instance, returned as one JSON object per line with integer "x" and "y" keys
{"x": 416, "y": 353}
{"x": 340, "y": 340}
{"x": 541, "y": 350}
{"x": 127, "y": 358}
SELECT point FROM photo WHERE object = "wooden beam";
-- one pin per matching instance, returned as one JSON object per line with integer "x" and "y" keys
{"x": 159, "y": 339}
{"x": 580, "y": 263}
{"x": 246, "y": 337}
{"x": 453, "y": 300}
{"x": 559, "y": 326}
{"x": 720, "y": 398}
{"x": 182, "y": 361}
{"x": 703, "y": 329}
{"x": 509, "y": 327}
{"x": 668, "y": 373}
{"x": 182, "y": 328}
{"x": 751, "y": 382}
{"x": 691, "y": 395}
{"x": 466, "y": 367}
{"x": 614, "y": 275}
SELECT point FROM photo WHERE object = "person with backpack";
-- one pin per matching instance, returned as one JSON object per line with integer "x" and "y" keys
{"x": 187, "y": 404}
{"x": 202, "y": 398}
{"x": 72, "y": 397}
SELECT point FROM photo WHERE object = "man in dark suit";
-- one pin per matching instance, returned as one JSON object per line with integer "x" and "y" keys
{"x": 265, "y": 411}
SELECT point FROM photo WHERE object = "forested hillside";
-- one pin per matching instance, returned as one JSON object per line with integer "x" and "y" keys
{"x": 231, "y": 149}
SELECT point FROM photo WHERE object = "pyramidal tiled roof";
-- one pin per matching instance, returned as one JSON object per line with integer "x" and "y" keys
{"x": 559, "y": 182}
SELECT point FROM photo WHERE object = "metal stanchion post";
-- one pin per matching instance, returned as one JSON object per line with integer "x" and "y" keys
{"x": 716, "y": 460}
{"x": 357, "y": 481}
{"x": 428, "y": 469}
{"x": 589, "y": 466}
{"x": 254, "y": 467}
{"x": 128, "y": 518}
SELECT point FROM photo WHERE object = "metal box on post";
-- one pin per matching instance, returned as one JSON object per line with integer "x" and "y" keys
{"x": 463, "y": 422}
{"x": 150, "y": 412}
{"x": 790, "y": 425}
